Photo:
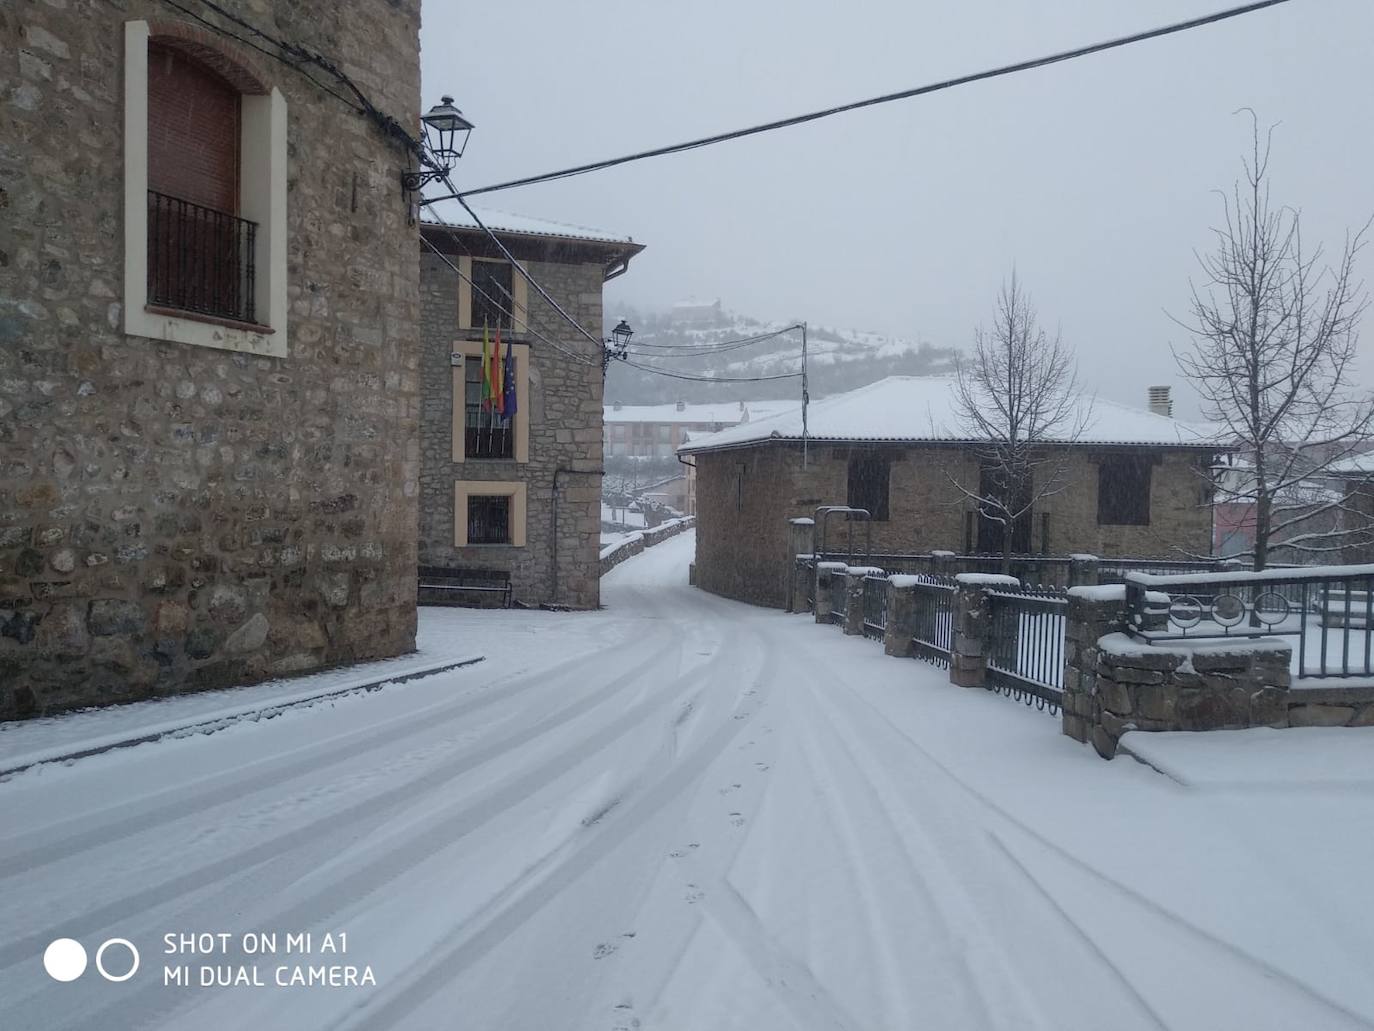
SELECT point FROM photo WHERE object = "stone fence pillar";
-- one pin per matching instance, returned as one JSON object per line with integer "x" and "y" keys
{"x": 968, "y": 660}
{"x": 1083, "y": 570}
{"x": 1093, "y": 612}
{"x": 901, "y": 616}
{"x": 799, "y": 534}
{"x": 854, "y": 594}
{"x": 825, "y": 573}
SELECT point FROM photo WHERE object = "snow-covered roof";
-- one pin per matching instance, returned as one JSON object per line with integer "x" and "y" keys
{"x": 1355, "y": 465}
{"x": 923, "y": 408}
{"x": 451, "y": 213}
{"x": 725, "y": 414}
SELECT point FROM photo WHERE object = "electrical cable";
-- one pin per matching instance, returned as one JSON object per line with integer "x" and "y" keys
{"x": 934, "y": 87}
{"x": 712, "y": 379}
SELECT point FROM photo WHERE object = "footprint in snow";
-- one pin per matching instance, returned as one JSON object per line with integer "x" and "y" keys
{"x": 678, "y": 853}
{"x": 694, "y": 895}
{"x": 736, "y": 820}
{"x": 728, "y": 789}
{"x": 761, "y": 767}
{"x": 603, "y": 950}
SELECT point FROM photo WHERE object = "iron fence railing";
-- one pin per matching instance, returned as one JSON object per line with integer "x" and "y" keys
{"x": 839, "y": 597}
{"x": 875, "y": 605}
{"x": 199, "y": 259}
{"x": 932, "y": 637}
{"x": 1026, "y": 660}
{"x": 806, "y": 569}
{"x": 1327, "y": 612}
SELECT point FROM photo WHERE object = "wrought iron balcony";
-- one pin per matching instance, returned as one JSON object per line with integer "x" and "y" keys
{"x": 200, "y": 260}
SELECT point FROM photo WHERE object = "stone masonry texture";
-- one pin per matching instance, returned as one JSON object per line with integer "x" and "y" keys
{"x": 175, "y": 517}
{"x": 565, "y": 418}
{"x": 746, "y": 496}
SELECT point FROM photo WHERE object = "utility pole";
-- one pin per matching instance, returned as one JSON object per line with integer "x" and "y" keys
{"x": 806, "y": 399}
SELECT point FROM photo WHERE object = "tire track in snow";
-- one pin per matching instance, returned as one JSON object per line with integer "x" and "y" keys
{"x": 405, "y": 852}
{"x": 82, "y": 833}
{"x": 537, "y": 888}
{"x": 371, "y": 809}
{"x": 1265, "y": 967}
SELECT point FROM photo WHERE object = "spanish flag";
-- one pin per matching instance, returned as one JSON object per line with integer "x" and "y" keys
{"x": 486, "y": 369}
{"x": 498, "y": 385}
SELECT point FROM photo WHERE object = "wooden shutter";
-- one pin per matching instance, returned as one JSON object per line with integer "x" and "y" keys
{"x": 193, "y": 131}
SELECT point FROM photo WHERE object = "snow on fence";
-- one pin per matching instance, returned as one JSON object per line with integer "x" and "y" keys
{"x": 1026, "y": 659}
{"x": 1328, "y": 611}
{"x": 932, "y": 637}
{"x": 875, "y": 605}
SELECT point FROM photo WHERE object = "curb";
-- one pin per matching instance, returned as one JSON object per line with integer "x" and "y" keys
{"x": 227, "y": 718}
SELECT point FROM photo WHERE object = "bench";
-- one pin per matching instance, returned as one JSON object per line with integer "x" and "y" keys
{"x": 450, "y": 586}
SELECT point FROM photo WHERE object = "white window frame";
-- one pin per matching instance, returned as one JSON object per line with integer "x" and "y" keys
{"x": 262, "y": 199}
{"x": 462, "y": 351}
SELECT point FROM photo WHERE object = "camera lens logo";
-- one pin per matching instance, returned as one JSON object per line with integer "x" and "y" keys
{"x": 65, "y": 959}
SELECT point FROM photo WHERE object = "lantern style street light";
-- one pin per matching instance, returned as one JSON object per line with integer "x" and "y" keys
{"x": 446, "y": 136}
{"x": 617, "y": 347}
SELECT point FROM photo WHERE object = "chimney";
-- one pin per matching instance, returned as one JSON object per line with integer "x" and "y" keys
{"x": 682, "y": 406}
{"x": 1159, "y": 401}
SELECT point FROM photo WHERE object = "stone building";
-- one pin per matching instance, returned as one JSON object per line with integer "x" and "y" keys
{"x": 208, "y": 378}
{"x": 1134, "y": 485}
{"x": 518, "y": 495}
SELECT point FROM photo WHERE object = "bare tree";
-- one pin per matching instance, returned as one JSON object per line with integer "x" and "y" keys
{"x": 1017, "y": 397}
{"x": 1272, "y": 355}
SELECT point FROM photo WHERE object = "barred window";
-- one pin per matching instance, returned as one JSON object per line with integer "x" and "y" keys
{"x": 488, "y": 433}
{"x": 489, "y": 519}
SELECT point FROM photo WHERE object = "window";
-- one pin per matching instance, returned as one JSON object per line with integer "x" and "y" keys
{"x": 487, "y": 433}
{"x": 503, "y": 289}
{"x": 494, "y": 280}
{"x": 204, "y": 194}
{"x": 868, "y": 483}
{"x": 488, "y": 519}
{"x": 1123, "y": 490}
{"x": 665, "y": 434}
{"x": 479, "y": 434}
{"x": 488, "y": 512}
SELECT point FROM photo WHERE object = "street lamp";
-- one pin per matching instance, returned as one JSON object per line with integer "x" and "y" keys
{"x": 446, "y": 136}
{"x": 618, "y": 346}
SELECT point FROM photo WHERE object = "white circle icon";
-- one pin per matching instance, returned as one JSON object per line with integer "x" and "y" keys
{"x": 64, "y": 959}
{"x": 100, "y": 960}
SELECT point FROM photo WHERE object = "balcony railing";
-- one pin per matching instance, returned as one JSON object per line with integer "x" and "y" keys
{"x": 200, "y": 260}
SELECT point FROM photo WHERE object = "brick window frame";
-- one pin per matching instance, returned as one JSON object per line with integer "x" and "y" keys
{"x": 262, "y": 194}
{"x": 464, "y": 489}
{"x": 465, "y": 349}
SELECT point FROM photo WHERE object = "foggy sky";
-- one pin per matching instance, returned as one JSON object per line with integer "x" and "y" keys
{"x": 1095, "y": 177}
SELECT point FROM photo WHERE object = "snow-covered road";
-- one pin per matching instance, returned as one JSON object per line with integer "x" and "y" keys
{"x": 679, "y": 813}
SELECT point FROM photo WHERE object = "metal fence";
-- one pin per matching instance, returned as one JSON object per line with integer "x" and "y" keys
{"x": 933, "y": 620}
{"x": 875, "y": 605}
{"x": 806, "y": 569}
{"x": 1027, "y": 634}
{"x": 199, "y": 259}
{"x": 1327, "y": 612}
{"x": 839, "y": 597}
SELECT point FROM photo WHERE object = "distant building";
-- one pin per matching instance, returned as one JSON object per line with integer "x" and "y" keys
{"x": 517, "y": 495}
{"x": 1135, "y": 485}
{"x": 654, "y": 432}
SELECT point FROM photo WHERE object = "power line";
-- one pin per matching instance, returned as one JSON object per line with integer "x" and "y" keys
{"x": 528, "y": 328}
{"x": 935, "y": 87}
{"x": 389, "y": 126}
{"x": 711, "y": 347}
{"x": 712, "y": 379}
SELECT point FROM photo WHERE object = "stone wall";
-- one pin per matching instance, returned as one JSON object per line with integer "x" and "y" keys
{"x": 1115, "y": 684}
{"x": 564, "y": 412}
{"x": 175, "y": 517}
{"x": 634, "y": 545}
{"x": 746, "y": 496}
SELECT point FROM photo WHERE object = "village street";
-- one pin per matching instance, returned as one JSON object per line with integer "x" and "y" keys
{"x": 683, "y": 812}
